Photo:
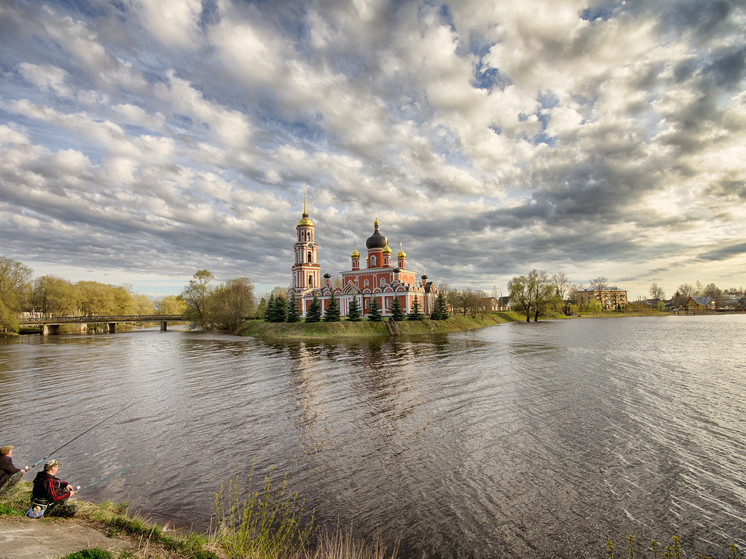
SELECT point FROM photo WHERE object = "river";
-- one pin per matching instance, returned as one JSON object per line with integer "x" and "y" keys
{"x": 520, "y": 440}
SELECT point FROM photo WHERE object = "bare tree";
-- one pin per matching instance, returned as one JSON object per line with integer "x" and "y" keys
{"x": 599, "y": 284}
{"x": 656, "y": 292}
{"x": 562, "y": 285}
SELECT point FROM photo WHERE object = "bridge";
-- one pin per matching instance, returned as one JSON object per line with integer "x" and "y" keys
{"x": 51, "y": 325}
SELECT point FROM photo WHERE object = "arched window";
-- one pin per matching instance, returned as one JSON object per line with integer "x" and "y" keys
{"x": 372, "y": 261}
{"x": 310, "y": 280}
{"x": 309, "y": 256}
{"x": 365, "y": 284}
{"x": 383, "y": 280}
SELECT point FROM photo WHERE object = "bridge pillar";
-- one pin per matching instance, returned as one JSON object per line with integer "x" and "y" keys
{"x": 47, "y": 329}
{"x": 112, "y": 327}
{"x": 164, "y": 325}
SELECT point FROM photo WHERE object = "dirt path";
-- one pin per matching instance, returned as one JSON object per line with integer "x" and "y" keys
{"x": 25, "y": 538}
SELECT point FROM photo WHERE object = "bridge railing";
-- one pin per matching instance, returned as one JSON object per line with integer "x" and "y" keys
{"x": 108, "y": 319}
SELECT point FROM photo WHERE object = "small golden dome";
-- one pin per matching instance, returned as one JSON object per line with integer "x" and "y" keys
{"x": 305, "y": 220}
{"x": 387, "y": 249}
{"x": 401, "y": 253}
{"x": 355, "y": 253}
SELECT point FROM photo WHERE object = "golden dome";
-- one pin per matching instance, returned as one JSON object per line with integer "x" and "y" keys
{"x": 401, "y": 253}
{"x": 304, "y": 220}
{"x": 355, "y": 253}
{"x": 387, "y": 249}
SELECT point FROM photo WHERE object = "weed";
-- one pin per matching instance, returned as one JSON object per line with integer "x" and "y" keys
{"x": 266, "y": 523}
{"x": 93, "y": 553}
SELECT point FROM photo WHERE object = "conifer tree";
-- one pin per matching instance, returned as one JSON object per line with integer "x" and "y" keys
{"x": 440, "y": 312}
{"x": 353, "y": 314}
{"x": 314, "y": 310}
{"x": 270, "y": 306}
{"x": 292, "y": 314}
{"x": 278, "y": 310}
{"x": 332, "y": 311}
{"x": 416, "y": 314}
{"x": 396, "y": 312}
{"x": 374, "y": 315}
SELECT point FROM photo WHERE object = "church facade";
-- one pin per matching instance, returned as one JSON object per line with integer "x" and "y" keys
{"x": 380, "y": 278}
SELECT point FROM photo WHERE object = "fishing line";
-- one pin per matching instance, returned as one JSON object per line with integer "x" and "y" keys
{"x": 75, "y": 438}
{"x": 130, "y": 466}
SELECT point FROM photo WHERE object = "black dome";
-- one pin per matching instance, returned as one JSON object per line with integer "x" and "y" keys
{"x": 376, "y": 240}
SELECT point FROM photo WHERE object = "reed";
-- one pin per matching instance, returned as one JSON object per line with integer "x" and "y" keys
{"x": 671, "y": 551}
{"x": 267, "y": 523}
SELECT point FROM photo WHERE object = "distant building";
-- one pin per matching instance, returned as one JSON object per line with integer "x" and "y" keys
{"x": 610, "y": 299}
{"x": 379, "y": 279}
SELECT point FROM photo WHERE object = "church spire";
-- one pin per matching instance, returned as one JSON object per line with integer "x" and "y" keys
{"x": 304, "y": 220}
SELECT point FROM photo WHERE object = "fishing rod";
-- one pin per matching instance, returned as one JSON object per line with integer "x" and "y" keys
{"x": 75, "y": 438}
{"x": 130, "y": 466}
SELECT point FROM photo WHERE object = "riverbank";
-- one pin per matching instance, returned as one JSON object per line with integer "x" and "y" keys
{"x": 106, "y": 527}
{"x": 367, "y": 329}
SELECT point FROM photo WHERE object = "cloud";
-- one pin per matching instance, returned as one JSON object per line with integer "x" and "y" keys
{"x": 490, "y": 138}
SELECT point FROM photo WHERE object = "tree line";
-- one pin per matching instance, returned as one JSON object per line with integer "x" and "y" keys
{"x": 281, "y": 306}
{"x": 54, "y": 296}
{"x": 686, "y": 290}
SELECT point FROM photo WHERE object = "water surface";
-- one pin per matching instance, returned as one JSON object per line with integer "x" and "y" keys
{"x": 538, "y": 440}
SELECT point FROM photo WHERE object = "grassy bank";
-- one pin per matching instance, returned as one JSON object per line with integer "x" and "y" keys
{"x": 367, "y": 329}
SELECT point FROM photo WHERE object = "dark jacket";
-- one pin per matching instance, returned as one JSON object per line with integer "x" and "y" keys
{"x": 7, "y": 469}
{"x": 49, "y": 488}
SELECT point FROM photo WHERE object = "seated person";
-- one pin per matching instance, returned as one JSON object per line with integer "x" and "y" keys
{"x": 9, "y": 474}
{"x": 51, "y": 492}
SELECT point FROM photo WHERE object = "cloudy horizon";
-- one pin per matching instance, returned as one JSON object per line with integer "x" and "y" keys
{"x": 143, "y": 140}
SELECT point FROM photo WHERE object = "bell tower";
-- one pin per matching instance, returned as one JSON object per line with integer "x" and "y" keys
{"x": 306, "y": 268}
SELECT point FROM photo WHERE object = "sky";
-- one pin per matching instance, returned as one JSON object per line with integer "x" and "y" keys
{"x": 144, "y": 140}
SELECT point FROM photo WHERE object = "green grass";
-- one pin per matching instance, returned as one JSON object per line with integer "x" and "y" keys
{"x": 265, "y": 523}
{"x": 657, "y": 551}
{"x": 366, "y": 329}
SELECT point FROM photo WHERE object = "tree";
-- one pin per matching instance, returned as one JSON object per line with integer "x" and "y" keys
{"x": 54, "y": 296}
{"x": 278, "y": 309}
{"x": 14, "y": 282}
{"x": 143, "y": 305}
{"x": 416, "y": 314}
{"x": 314, "y": 310}
{"x": 563, "y": 287}
{"x": 353, "y": 313}
{"x": 261, "y": 308}
{"x": 686, "y": 290}
{"x": 195, "y": 297}
{"x": 292, "y": 312}
{"x": 599, "y": 284}
{"x": 171, "y": 304}
{"x": 269, "y": 308}
{"x": 374, "y": 315}
{"x": 95, "y": 298}
{"x": 396, "y": 312}
{"x": 712, "y": 290}
{"x": 440, "y": 310}
{"x": 521, "y": 295}
{"x": 531, "y": 294}
{"x": 231, "y": 303}
{"x": 543, "y": 292}
{"x": 331, "y": 314}
{"x": 656, "y": 292}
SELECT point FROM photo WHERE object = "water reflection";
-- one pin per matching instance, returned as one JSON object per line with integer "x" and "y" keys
{"x": 520, "y": 440}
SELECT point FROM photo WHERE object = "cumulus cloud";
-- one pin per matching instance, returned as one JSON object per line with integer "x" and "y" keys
{"x": 490, "y": 138}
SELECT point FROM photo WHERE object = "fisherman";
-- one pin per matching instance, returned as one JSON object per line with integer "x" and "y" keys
{"x": 9, "y": 474}
{"x": 50, "y": 494}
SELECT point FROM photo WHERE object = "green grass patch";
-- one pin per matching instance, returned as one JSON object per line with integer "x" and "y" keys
{"x": 345, "y": 329}
{"x": 93, "y": 553}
